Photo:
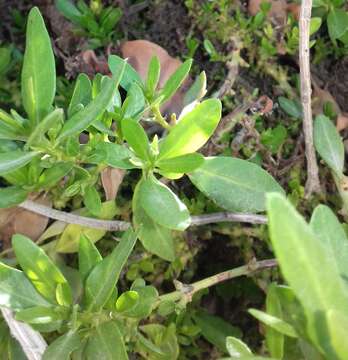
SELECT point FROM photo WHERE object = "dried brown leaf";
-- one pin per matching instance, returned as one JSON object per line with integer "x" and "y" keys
{"x": 111, "y": 179}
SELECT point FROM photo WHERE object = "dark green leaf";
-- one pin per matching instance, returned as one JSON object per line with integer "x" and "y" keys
{"x": 192, "y": 131}
{"x": 40, "y": 269}
{"x": 62, "y": 347}
{"x": 82, "y": 94}
{"x": 89, "y": 256}
{"x": 234, "y": 184}
{"x": 103, "y": 278}
{"x": 337, "y": 23}
{"x": 291, "y": 107}
{"x": 11, "y": 196}
{"x": 16, "y": 291}
{"x": 175, "y": 80}
{"x": 51, "y": 176}
{"x": 181, "y": 164}
{"x": 69, "y": 10}
{"x": 106, "y": 343}
{"x": 162, "y": 205}
{"x": 14, "y": 160}
{"x": 38, "y": 72}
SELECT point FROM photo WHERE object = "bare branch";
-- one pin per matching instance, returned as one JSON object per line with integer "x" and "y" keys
{"x": 228, "y": 217}
{"x": 312, "y": 184}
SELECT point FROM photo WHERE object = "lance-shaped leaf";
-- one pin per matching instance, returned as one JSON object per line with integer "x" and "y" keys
{"x": 62, "y": 347}
{"x": 237, "y": 347}
{"x": 234, "y": 184}
{"x": 84, "y": 118}
{"x": 38, "y": 72}
{"x": 14, "y": 160}
{"x": 181, "y": 164}
{"x": 153, "y": 76}
{"x": 162, "y": 205}
{"x": 329, "y": 144}
{"x": 43, "y": 273}
{"x": 192, "y": 131}
{"x": 155, "y": 238}
{"x": 11, "y": 196}
{"x": 89, "y": 256}
{"x": 106, "y": 343}
{"x": 82, "y": 94}
{"x": 16, "y": 291}
{"x": 102, "y": 280}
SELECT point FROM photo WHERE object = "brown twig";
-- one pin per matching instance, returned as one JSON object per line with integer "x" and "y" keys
{"x": 312, "y": 184}
{"x": 116, "y": 225}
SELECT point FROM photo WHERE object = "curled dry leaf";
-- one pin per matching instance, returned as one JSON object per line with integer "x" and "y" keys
{"x": 111, "y": 180}
{"x": 342, "y": 121}
{"x": 139, "y": 54}
{"x": 19, "y": 221}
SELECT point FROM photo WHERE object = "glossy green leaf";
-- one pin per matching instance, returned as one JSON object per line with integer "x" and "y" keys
{"x": 12, "y": 195}
{"x": 303, "y": 259}
{"x": 192, "y": 131}
{"x": 38, "y": 72}
{"x": 175, "y": 80}
{"x": 153, "y": 76}
{"x": 16, "y": 291}
{"x": 14, "y": 160}
{"x": 82, "y": 94}
{"x": 134, "y": 103}
{"x": 127, "y": 301}
{"x": 81, "y": 120}
{"x": 215, "y": 329}
{"x": 155, "y": 238}
{"x": 39, "y": 268}
{"x": 136, "y": 137}
{"x": 274, "y": 339}
{"x": 89, "y": 256}
{"x": 330, "y": 232}
{"x": 92, "y": 200}
{"x": 162, "y": 205}
{"x": 197, "y": 90}
{"x": 181, "y": 164}
{"x": 106, "y": 343}
{"x": 103, "y": 278}
{"x": 62, "y": 347}
{"x": 51, "y": 176}
{"x": 274, "y": 322}
{"x": 237, "y": 347}
{"x": 40, "y": 315}
{"x": 328, "y": 143}
{"x": 129, "y": 76}
{"x": 234, "y": 184}
{"x": 337, "y": 23}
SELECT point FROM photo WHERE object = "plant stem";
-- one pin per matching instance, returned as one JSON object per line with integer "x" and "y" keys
{"x": 159, "y": 118}
{"x": 312, "y": 184}
{"x": 186, "y": 291}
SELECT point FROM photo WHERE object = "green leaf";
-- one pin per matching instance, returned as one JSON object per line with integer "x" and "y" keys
{"x": 136, "y": 137}
{"x": 274, "y": 322}
{"x": 69, "y": 10}
{"x": 129, "y": 77}
{"x": 237, "y": 347}
{"x": 62, "y": 347}
{"x": 291, "y": 107}
{"x": 192, "y": 131}
{"x": 337, "y": 334}
{"x": 175, "y": 80}
{"x": 215, "y": 329}
{"x": 328, "y": 143}
{"x": 337, "y": 23}
{"x": 127, "y": 301}
{"x": 197, "y": 90}
{"x": 134, "y": 103}
{"x": 11, "y": 196}
{"x": 89, "y": 256}
{"x": 181, "y": 164}
{"x": 51, "y": 176}
{"x": 331, "y": 234}
{"x": 153, "y": 76}
{"x": 155, "y": 238}
{"x": 39, "y": 268}
{"x": 40, "y": 315}
{"x": 16, "y": 291}
{"x": 314, "y": 25}
{"x": 274, "y": 138}
{"x": 92, "y": 200}
{"x": 82, "y": 94}
{"x": 106, "y": 343}
{"x": 38, "y": 72}
{"x": 148, "y": 296}
{"x": 103, "y": 278}
{"x": 162, "y": 205}
{"x": 234, "y": 184}
{"x": 14, "y": 160}
{"x": 305, "y": 264}
{"x": 38, "y": 134}
{"x": 274, "y": 339}
{"x": 81, "y": 120}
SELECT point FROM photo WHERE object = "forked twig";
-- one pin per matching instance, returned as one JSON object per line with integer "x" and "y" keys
{"x": 312, "y": 183}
